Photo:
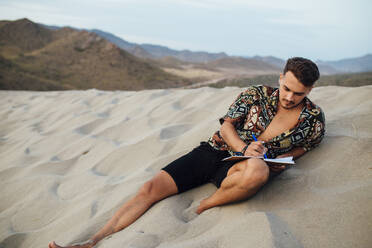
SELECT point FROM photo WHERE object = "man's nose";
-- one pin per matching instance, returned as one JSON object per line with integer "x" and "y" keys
{"x": 290, "y": 96}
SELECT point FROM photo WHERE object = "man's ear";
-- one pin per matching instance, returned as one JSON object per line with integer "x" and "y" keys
{"x": 281, "y": 76}
{"x": 310, "y": 88}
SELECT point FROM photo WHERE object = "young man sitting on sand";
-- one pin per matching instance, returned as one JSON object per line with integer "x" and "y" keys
{"x": 283, "y": 119}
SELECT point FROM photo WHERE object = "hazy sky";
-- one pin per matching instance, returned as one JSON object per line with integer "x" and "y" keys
{"x": 316, "y": 29}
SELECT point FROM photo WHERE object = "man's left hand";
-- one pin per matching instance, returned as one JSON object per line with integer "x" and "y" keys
{"x": 278, "y": 167}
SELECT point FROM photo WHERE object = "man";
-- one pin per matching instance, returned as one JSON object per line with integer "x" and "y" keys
{"x": 286, "y": 123}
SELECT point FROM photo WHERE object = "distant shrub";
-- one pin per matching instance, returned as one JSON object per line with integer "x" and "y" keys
{"x": 79, "y": 49}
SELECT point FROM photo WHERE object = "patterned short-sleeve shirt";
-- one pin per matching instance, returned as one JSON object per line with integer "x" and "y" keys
{"x": 254, "y": 109}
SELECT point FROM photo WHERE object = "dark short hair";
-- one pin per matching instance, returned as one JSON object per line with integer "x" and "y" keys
{"x": 304, "y": 70}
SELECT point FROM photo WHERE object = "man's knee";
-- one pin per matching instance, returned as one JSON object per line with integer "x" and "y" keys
{"x": 157, "y": 188}
{"x": 147, "y": 189}
{"x": 146, "y": 192}
{"x": 256, "y": 174}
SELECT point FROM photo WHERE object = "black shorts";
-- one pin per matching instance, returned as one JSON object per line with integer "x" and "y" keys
{"x": 202, "y": 165}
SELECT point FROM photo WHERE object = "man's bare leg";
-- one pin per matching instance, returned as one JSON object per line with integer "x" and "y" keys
{"x": 243, "y": 180}
{"x": 158, "y": 188}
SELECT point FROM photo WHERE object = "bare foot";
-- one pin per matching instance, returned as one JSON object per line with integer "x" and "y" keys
{"x": 87, "y": 244}
{"x": 202, "y": 206}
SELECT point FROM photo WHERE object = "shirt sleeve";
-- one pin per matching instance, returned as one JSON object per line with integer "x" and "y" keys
{"x": 240, "y": 107}
{"x": 316, "y": 133}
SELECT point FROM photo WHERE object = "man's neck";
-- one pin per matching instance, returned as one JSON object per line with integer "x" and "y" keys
{"x": 283, "y": 110}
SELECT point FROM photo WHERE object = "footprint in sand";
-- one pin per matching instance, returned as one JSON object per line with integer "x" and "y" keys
{"x": 14, "y": 240}
{"x": 174, "y": 131}
{"x": 144, "y": 240}
{"x": 3, "y": 139}
{"x": 177, "y": 105}
{"x": 89, "y": 127}
{"x": 104, "y": 115}
{"x": 55, "y": 159}
{"x": 93, "y": 209}
{"x": 100, "y": 94}
{"x": 189, "y": 214}
{"x": 281, "y": 234}
{"x": 115, "y": 101}
{"x": 185, "y": 210}
{"x": 27, "y": 151}
{"x": 36, "y": 127}
{"x": 55, "y": 167}
{"x": 159, "y": 94}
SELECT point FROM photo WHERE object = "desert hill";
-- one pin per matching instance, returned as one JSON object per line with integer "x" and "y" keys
{"x": 204, "y": 66}
{"x": 348, "y": 65}
{"x": 157, "y": 51}
{"x": 72, "y": 59}
{"x": 40, "y": 57}
{"x": 245, "y": 64}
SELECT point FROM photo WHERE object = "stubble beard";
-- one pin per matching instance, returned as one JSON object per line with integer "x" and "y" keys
{"x": 291, "y": 104}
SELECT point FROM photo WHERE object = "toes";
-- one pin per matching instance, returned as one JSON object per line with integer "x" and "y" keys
{"x": 199, "y": 210}
{"x": 53, "y": 245}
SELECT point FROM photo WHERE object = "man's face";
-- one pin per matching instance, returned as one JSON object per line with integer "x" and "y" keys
{"x": 291, "y": 91}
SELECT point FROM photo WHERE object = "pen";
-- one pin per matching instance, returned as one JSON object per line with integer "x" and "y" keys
{"x": 255, "y": 139}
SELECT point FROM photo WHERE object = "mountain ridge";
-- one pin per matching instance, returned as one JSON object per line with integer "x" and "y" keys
{"x": 347, "y": 65}
{"x": 54, "y": 58}
{"x": 350, "y": 65}
{"x": 72, "y": 59}
{"x": 151, "y": 51}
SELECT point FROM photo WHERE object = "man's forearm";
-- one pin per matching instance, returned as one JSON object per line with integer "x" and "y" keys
{"x": 231, "y": 137}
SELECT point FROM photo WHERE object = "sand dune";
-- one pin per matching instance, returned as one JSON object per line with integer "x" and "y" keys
{"x": 70, "y": 159}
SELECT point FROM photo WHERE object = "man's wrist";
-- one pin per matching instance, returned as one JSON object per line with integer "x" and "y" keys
{"x": 244, "y": 149}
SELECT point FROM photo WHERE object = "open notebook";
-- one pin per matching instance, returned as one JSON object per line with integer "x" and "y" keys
{"x": 286, "y": 160}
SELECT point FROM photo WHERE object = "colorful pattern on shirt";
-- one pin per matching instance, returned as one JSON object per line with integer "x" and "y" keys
{"x": 252, "y": 112}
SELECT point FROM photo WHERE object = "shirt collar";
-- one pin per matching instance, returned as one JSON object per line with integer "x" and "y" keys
{"x": 274, "y": 99}
{"x": 309, "y": 109}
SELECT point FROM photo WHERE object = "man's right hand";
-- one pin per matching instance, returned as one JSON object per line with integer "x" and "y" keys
{"x": 256, "y": 148}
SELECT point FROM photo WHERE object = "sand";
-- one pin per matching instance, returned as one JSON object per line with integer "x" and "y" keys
{"x": 70, "y": 159}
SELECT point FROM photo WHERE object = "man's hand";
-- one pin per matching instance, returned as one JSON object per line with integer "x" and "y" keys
{"x": 279, "y": 167}
{"x": 256, "y": 149}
